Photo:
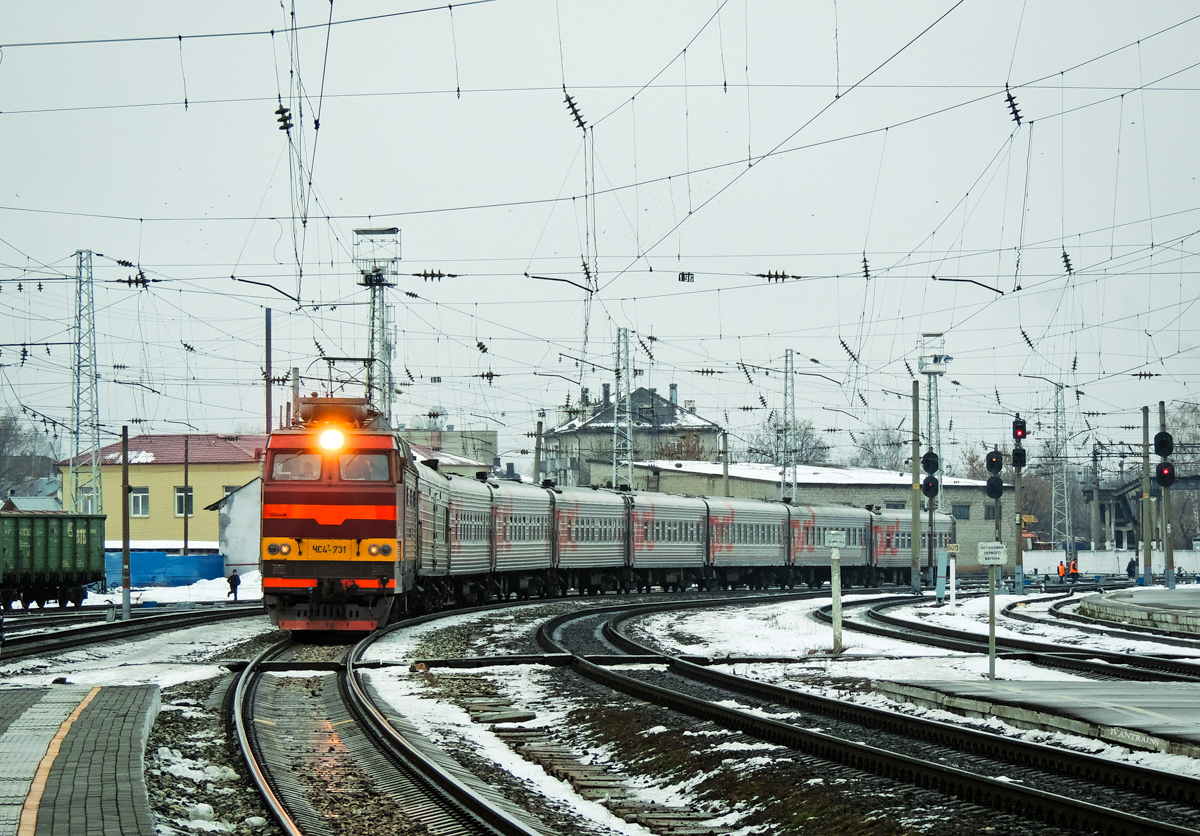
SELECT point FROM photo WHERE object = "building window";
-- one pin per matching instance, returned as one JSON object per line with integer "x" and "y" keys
{"x": 894, "y": 506}
{"x": 989, "y": 512}
{"x": 183, "y": 497}
{"x": 961, "y": 512}
{"x": 139, "y": 502}
{"x": 228, "y": 489}
{"x": 85, "y": 499}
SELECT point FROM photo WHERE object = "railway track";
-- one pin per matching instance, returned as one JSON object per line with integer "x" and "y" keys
{"x": 319, "y": 749}
{"x": 955, "y": 761}
{"x": 28, "y": 637}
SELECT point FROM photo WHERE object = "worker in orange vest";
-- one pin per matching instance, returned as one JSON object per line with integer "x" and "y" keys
{"x": 1074, "y": 570}
{"x": 1062, "y": 570}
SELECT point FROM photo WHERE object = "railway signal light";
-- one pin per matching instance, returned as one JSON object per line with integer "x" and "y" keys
{"x": 995, "y": 487}
{"x": 1165, "y": 475}
{"x": 994, "y": 462}
{"x": 929, "y": 463}
{"x": 1018, "y": 457}
{"x": 1019, "y": 431}
{"x": 1164, "y": 444}
{"x": 929, "y": 485}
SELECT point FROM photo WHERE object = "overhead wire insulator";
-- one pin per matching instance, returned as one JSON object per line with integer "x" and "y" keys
{"x": 481, "y": 346}
{"x": 284, "y": 117}
{"x": 1067, "y": 263}
{"x": 866, "y": 268}
{"x": 574, "y": 108}
{"x": 1012, "y": 105}
{"x": 845, "y": 347}
{"x": 1028, "y": 341}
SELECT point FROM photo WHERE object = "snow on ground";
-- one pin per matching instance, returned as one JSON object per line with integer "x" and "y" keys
{"x": 769, "y": 630}
{"x": 250, "y": 589}
{"x": 164, "y": 659}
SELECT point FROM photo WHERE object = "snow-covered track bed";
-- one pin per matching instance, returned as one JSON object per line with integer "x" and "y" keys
{"x": 984, "y": 769}
{"x": 327, "y": 760}
{"x": 1092, "y": 662}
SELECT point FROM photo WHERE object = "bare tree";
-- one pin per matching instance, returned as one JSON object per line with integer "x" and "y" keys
{"x": 766, "y": 444}
{"x": 23, "y": 453}
{"x": 882, "y": 448}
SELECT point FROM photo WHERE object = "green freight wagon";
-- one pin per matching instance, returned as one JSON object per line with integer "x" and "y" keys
{"x": 49, "y": 556}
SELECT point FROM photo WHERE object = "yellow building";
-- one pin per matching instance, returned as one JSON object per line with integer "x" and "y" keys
{"x": 158, "y": 498}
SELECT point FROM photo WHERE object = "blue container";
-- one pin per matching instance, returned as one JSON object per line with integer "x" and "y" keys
{"x": 148, "y": 568}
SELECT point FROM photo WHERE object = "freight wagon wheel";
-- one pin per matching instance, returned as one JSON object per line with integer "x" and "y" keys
{"x": 62, "y": 598}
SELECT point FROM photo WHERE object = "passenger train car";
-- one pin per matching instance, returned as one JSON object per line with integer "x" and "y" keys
{"x": 355, "y": 533}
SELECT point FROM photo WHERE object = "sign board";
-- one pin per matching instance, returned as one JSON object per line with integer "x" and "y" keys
{"x": 835, "y": 539}
{"x": 952, "y": 548}
{"x": 992, "y": 554}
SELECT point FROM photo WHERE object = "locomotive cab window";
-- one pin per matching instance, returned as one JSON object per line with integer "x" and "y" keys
{"x": 363, "y": 467}
{"x": 305, "y": 467}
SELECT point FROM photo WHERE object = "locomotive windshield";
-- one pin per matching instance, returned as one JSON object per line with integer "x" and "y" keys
{"x": 363, "y": 467}
{"x": 305, "y": 467}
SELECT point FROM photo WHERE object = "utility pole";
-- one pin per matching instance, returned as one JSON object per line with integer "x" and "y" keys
{"x": 267, "y": 371}
{"x": 187, "y": 495}
{"x": 1097, "y": 538}
{"x": 537, "y": 454}
{"x": 1168, "y": 544}
{"x": 915, "y": 575}
{"x": 125, "y": 523}
{"x": 787, "y": 479}
{"x": 377, "y": 256}
{"x": 931, "y": 362}
{"x": 1147, "y": 512}
{"x": 84, "y": 493}
{"x": 623, "y": 413}
{"x": 725, "y": 461}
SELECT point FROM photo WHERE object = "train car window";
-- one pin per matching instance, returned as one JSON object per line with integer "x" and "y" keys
{"x": 363, "y": 467}
{"x": 305, "y": 467}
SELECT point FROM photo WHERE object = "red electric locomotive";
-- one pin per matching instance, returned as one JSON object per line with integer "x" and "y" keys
{"x": 332, "y": 552}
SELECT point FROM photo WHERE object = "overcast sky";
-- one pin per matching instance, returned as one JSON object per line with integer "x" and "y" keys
{"x": 728, "y": 140}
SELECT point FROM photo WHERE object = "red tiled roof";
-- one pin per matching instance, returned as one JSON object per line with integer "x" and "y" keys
{"x": 203, "y": 448}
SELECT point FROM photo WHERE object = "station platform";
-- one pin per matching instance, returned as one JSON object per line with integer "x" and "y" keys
{"x": 1155, "y": 716}
{"x": 73, "y": 760}
{"x": 1177, "y": 610}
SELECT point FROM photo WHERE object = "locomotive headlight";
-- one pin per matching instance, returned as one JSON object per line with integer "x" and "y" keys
{"x": 284, "y": 548}
{"x": 385, "y": 550}
{"x": 331, "y": 440}
{"x": 373, "y": 549}
{"x": 272, "y": 548}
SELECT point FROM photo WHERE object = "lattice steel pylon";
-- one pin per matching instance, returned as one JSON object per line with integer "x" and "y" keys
{"x": 931, "y": 362}
{"x": 83, "y": 490}
{"x": 623, "y": 413}
{"x": 787, "y": 446}
{"x": 377, "y": 256}
{"x": 1060, "y": 512}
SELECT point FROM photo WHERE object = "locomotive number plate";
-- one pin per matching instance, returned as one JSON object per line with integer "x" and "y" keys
{"x": 327, "y": 548}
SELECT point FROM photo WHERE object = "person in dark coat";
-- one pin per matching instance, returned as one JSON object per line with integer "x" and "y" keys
{"x": 1131, "y": 569}
{"x": 234, "y": 581}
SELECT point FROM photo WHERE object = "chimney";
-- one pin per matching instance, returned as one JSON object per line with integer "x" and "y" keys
{"x": 674, "y": 394}
{"x": 510, "y": 472}
{"x": 606, "y": 394}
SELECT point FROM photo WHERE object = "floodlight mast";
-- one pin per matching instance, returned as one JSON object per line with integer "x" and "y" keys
{"x": 377, "y": 257}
